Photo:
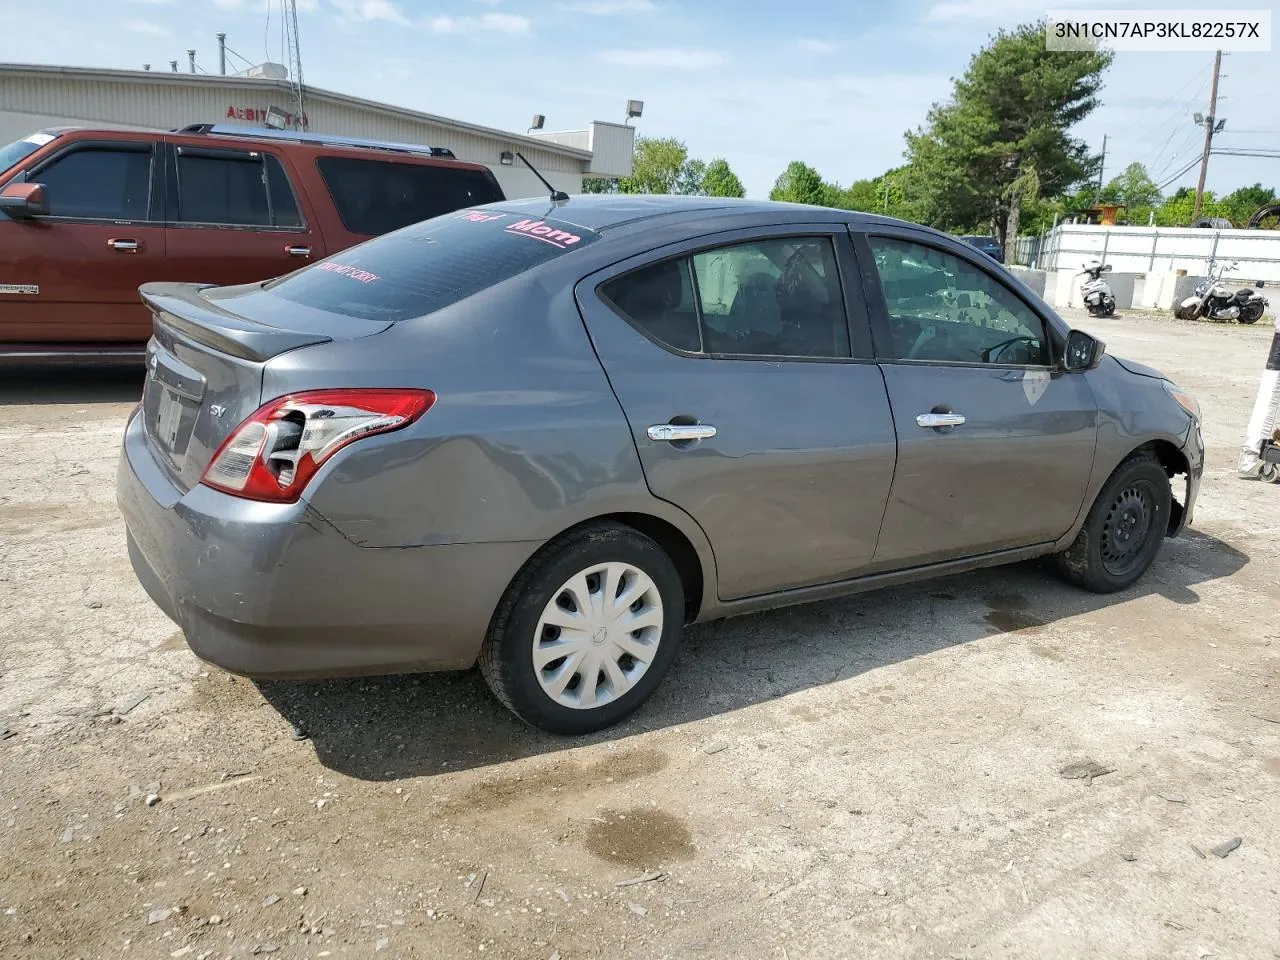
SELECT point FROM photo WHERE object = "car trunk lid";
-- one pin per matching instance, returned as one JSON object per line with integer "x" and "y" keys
{"x": 205, "y": 364}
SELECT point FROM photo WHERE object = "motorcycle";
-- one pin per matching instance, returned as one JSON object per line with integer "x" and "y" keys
{"x": 1212, "y": 299}
{"x": 1095, "y": 291}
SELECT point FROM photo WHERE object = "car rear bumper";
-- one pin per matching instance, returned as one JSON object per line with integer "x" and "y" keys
{"x": 274, "y": 590}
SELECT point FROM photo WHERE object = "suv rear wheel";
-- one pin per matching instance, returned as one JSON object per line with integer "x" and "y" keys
{"x": 586, "y": 631}
{"x": 1124, "y": 530}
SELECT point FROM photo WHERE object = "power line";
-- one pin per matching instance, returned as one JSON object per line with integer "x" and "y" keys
{"x": 1179, "y": 175}
{"x": 1245, "y": 152}
{"x": 1176, "y": 120}
{"x": 1185, "y": 145}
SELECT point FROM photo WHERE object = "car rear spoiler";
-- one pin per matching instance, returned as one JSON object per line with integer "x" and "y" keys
{"x": 180, "y": 307}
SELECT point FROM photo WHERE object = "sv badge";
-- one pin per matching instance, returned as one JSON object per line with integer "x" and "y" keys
{"x": 217, "y": 410}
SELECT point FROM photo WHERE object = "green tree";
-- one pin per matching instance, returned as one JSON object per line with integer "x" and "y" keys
{"x": 720, "y": 180}
{"x": 1133, "y": 188}
{"x": 799, "y": 183}
{"x": 864, "y": 195}
{"x": 1003, "y": 137}
{"x": 659, "y": 165}
{"x": 690, "y": 180}
{"x": 1176, "y": 211}
{"x": 656, "y": 167}
{"x": 1243, "y": 203}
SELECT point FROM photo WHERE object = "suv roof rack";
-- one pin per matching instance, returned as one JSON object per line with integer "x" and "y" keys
{"x": 318, "y": 139}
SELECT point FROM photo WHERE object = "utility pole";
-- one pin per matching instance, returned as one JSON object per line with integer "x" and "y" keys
{"x": 1208, "y": 136}
{"x": 1101, "y": 166}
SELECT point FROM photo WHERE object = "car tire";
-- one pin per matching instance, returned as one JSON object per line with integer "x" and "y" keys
{"x": 1124, "y": 529}
{"x": 559, "y": 602}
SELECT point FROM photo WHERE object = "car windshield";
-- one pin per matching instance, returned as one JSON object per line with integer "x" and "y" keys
{"x": 430, "y": 265}
{"x": 21, "y": 149}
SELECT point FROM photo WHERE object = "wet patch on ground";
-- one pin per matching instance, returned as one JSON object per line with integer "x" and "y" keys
{"x": 563, "y": 777}
{"x": 640, "y": 837}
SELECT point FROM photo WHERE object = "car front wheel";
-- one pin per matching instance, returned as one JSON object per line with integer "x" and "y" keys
{"x": 586, "y": 631}
{"x": 1124, "y": 530}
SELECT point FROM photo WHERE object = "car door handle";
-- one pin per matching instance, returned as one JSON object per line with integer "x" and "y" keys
{"x": 935, "y": 420}
{"x": 125, "y": 246}
{"x": 297, "y": 250}
{"x": 676, "y": 432}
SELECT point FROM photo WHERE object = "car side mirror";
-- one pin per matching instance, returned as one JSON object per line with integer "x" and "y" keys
{"x": 1084, "y": 352}
{"x": 1106, "y": 268}
{"x": 22, "y": 201}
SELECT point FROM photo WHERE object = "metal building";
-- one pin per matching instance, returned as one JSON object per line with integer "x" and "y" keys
{"x": 34, "y": 97}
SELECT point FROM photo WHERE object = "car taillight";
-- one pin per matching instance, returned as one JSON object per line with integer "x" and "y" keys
{"x": 274, "y": 453}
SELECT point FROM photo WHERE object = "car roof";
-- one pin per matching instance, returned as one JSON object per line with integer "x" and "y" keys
{"x": 318, "y": 146}
{"x": 603, "y": 212}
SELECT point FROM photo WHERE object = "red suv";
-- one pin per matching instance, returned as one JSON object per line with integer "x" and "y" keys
{"x": 89, "y": 215}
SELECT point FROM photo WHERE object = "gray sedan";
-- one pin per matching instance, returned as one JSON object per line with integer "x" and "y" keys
{"x": 543, "y": 437}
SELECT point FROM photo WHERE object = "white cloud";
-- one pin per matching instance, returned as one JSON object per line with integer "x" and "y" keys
{"x": 666, "y": 58}
{"x": 611, "y": 8}
{"x": 253, "y": 6}
{"x": 810, "y": 45}
{"x": 149, "y": 29}
{"x": 371, "y": 10}
{"x": 486, "y": 22}
{"x": 950, "y": 11}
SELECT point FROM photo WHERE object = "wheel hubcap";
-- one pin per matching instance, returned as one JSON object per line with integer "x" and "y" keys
{"x": 597, "y": 635}
{"x": 1124, "y": 534}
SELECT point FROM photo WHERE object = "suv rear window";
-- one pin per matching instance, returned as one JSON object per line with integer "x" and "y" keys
{"x": 375, "y": 197}
{"x": 428, "y": 266}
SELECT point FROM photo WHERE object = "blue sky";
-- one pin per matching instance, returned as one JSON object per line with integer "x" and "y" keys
{"x": 759, "y": 83}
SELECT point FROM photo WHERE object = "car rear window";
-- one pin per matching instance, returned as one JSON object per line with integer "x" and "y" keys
{"x": 428, "y": 266}
{"x": 375, "y": 196}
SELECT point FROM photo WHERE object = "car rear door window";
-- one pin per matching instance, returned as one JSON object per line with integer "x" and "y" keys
{"x": 377, "y": 196}
{"x": 99, "y": 183}
{"x": 943, "y": 308}
{"x": 779, "y": 297}
{"x": 224, "y": 187}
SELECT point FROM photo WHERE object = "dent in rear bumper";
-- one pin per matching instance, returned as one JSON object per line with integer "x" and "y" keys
{"x": 272, "y": 590}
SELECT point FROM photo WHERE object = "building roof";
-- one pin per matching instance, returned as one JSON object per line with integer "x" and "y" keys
{"x": 170, "y": 78}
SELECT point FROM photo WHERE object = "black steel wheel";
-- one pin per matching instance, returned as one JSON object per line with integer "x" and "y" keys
{"x": 1124, "y": 529}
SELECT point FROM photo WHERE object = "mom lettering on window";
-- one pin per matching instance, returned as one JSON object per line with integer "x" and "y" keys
{"x": 539, "y": 230}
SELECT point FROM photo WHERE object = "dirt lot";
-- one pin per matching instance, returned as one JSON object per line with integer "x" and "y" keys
{"x": 876, "y": 777}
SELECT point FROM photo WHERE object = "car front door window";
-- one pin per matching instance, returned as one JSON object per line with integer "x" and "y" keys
{"x": 99, "y": 183}
{"x": 942, "y": 308}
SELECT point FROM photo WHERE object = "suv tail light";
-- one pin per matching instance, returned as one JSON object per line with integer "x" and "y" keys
{"x": 275, "y": 452}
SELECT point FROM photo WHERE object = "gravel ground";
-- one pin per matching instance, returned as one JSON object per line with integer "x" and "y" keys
{"x": 875, "y": 777}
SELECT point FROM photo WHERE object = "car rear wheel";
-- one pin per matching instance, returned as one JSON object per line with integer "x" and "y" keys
{"x": 1124, "y": 530}
{"x": 586, "y": 631}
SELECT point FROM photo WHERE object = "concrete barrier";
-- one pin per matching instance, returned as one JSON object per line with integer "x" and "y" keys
{"x": 1032, "y": 279}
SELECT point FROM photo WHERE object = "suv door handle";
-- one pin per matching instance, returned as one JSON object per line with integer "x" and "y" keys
{"x": 936, "y": 420}
{"x": 297, "y": 250}
{"x": 676, "y": 432}
{"x": 125, "y": 246}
